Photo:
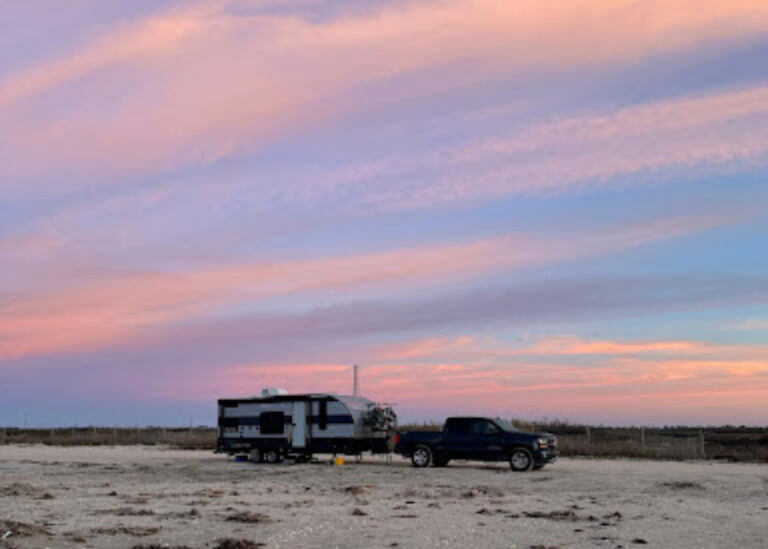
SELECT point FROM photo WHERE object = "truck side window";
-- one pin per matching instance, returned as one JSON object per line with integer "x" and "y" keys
{"x": 272, "y": 423}
{"x": 457, "y": 425}
{"x": 483, "y": 427}
{"x": 322, "y": 420}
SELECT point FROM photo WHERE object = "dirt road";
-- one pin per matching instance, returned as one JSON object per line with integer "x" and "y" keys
{"x": 134, "y": 496}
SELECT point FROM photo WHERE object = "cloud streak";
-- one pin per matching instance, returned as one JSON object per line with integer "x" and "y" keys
{"x": 103, "y": 311}
{"x": 647, "y": 143}
{"x": 523, "y": 306}
{"x": 283, "y": 72}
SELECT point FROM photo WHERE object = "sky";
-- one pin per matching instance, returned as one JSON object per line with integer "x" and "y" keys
{"x": 540, "y": 210}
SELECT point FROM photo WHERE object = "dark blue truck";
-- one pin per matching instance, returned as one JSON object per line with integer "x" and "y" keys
{"x": 478, "y": 438}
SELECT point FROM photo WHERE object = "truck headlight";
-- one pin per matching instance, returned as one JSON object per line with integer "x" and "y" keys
{"x": 542, "y": 442}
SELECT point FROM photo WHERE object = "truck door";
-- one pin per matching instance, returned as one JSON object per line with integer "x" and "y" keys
{"x": 299, "y": 421}
{"x": 456, "y": 443}
{"x": 486, "y": 439}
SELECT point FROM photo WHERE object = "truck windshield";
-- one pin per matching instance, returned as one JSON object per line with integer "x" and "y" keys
{"x": 505, "y": 425}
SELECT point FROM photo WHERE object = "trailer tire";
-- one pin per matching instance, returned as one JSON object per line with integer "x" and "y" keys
{"x": 422, "y": 456}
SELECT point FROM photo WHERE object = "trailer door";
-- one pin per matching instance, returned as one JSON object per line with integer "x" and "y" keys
{"x": 299, "y": 436}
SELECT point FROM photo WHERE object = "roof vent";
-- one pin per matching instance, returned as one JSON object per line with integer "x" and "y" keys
{"x": 273, "y": 391}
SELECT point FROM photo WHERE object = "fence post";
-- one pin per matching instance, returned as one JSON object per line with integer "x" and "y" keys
{"x": 589, "y": 440}
{"x": 2, "y": 436}
{"x": 702, "y": 450}
{"x": 642, "y": 438}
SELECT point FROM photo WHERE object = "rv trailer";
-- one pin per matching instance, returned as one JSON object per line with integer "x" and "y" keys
{"x": 278, "y": 425}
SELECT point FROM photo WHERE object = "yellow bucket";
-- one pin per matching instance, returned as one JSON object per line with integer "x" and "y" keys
{"x": 338, "y": 461}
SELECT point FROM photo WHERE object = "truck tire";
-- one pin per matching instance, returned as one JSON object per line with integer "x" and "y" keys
{"x": 521, "y": 459}
{"x": 256, "y": 455}
{"x": 422, "y": 456}
{"x": 273, "y": 456}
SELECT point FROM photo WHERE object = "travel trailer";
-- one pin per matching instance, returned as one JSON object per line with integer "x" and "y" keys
{"x": 278, "y": 425}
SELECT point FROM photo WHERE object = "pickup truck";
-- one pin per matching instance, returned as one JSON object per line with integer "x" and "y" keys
{"x": 478, "y": 438}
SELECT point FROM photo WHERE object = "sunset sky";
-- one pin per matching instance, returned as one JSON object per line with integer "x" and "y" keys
{"x": 502, "y": 207}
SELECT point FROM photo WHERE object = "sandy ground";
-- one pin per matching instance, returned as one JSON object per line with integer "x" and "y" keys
{"x": 134, "y": 496}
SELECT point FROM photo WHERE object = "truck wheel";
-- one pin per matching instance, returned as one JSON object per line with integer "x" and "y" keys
{"x": 256, "y": 455}
{"x": 421, "y": 456}
{"x": 521, "y": 459}
{"x": 272, "y": 456}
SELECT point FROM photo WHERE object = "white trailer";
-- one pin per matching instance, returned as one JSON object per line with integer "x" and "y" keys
{"x": 279, "y": 425}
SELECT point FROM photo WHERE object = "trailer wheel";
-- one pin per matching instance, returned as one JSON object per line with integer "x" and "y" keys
{"x": 521, "y": 459}
{"x": 422, "y": 456}
{"x": 272, "y": 456}
{"x": 256, "y": 455}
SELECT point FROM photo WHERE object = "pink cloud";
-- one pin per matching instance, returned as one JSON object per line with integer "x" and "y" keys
{"x": 395, "y": 35}
{"x": 576, "y": 346}
{"x": 671, "y": 357}
{"x": 497, "y": 375}
{"x": 132, "y": 43}
{"x": 197, "y": 83}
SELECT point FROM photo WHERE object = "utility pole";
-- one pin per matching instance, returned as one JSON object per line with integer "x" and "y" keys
{"x": 354, "y": 382}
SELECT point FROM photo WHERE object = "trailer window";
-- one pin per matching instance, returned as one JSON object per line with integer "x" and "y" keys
{"x": 322, "y": 421}
{"x": 272, "y": 423}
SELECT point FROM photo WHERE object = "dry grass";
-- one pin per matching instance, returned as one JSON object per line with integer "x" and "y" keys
{"x": 727, "y": 442}
{"x": 193, "y": 438}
